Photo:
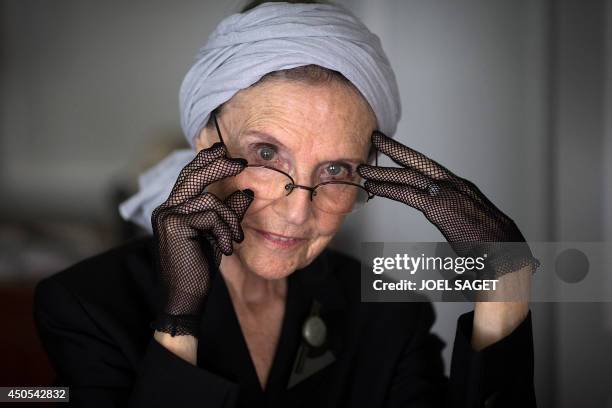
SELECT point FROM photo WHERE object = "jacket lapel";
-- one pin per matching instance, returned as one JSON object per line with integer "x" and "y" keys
{"x": 318, "y": 284}
{"x": 223, "y": 350}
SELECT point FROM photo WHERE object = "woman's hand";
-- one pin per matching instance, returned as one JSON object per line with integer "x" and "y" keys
{"x": 185, "y": 260}
{"x": 468, "y": 220}
{"x": 470, "y": 223}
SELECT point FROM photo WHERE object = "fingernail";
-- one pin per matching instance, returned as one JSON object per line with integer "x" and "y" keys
{"x": 216, "y": 145}
{"x": 249, "y": 192}
{"x": 241, "y": 161}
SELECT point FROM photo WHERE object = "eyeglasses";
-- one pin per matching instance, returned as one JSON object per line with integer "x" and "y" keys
{"x": 270, "y": 184}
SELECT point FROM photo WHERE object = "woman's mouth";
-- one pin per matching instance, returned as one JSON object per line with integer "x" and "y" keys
{"x": 279, "y": 241}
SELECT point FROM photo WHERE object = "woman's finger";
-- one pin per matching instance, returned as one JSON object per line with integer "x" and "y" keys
{"x": 402, "y": 175}
{"x": 210, "y": 202}
{"x": 239, "y": 202}
{"x": 202, "y": 158}
{"x": 196, "y": 181}
{"x": 407, "y": 157}
{"x": 218, "y": 170}
{"x": 209, "y": 222}
{"x": 406, "y": 194}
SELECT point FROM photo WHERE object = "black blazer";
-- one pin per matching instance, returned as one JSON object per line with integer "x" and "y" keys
{"x": 93, "y": 319}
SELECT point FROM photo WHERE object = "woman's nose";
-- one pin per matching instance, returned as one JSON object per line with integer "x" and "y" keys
{"x": 296, "y": 207}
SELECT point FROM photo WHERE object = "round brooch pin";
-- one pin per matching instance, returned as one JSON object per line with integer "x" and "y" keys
{"x": 314, "y": 331}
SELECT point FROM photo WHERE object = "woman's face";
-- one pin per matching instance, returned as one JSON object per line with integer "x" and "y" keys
{"x": 302, "y": 129}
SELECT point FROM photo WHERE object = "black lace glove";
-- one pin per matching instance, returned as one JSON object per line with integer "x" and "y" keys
{"x": 470, "y": 222}
{"x": 192, "y": 230}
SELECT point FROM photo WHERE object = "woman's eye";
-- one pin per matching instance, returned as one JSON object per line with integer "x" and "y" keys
{"x": 336, "y": 169}
{"x": 266, "y": 153}
{"x": 333, "y": 169}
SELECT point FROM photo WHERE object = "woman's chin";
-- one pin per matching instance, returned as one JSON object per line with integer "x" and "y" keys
{"x": 265, "y": 261}
{"x": 267, "y": 266}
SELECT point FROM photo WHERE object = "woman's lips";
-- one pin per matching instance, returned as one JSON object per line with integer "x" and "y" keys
{"x": 279, "y": 241}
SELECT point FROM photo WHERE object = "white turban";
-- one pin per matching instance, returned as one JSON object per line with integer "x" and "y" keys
{"x": 246, "y": 46}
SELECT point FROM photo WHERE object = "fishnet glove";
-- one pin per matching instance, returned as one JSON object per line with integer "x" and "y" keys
{"x": 470, "y": 222}
{"x": 192, "y": 230}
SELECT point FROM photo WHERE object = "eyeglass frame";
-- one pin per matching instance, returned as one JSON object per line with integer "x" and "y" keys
{"x": 292, "y": 186}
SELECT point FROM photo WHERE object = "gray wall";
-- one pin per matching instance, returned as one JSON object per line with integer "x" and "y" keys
{"x": 90, "y": 89}
{"x": 507, "y": 93}
{"x": 580, "y": 114}
{"x": 474, "y": 83}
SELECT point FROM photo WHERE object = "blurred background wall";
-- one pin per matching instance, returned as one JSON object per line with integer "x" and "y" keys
{"x": 514, "y": 95}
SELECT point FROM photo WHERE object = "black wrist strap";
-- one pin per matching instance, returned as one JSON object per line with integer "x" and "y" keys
{"x": 177, "y": 325}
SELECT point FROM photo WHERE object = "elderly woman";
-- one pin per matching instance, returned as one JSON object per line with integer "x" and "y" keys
{"x": 234, "y": 300}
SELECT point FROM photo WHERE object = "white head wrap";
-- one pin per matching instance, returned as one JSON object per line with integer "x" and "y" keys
{"x": 246, "y": 46}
